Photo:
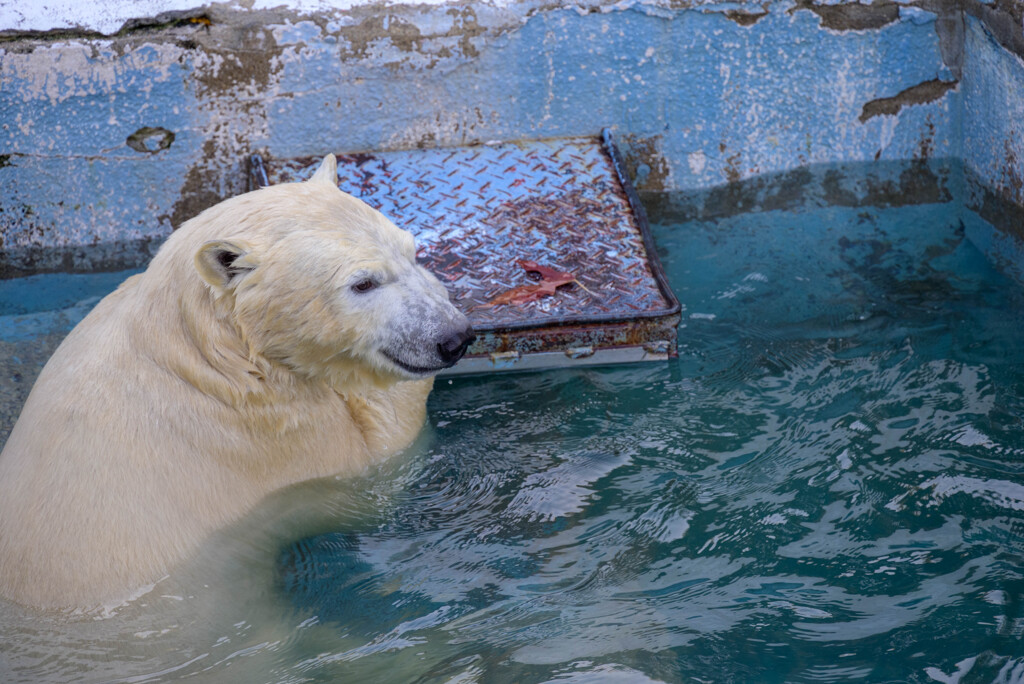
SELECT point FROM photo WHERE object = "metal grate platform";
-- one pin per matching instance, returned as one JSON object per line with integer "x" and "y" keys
{"x": 491, "y": 220}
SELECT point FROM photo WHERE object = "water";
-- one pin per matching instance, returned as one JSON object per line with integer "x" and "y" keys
{"x": 826, "y": 485}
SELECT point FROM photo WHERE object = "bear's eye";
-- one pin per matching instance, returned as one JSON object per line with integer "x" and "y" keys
{"x": 365, "y": 285}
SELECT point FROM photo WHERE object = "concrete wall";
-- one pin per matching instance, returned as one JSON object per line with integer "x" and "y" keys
{"x": 993, "y": 129}
{"x": 993, "y": 134}
{"x": 115, "y": 128}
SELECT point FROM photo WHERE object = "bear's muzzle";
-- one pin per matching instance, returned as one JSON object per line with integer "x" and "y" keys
{"x": 452, "y": 348}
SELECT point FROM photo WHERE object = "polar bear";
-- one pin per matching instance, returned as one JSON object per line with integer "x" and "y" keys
{"x": 281, "y": 335}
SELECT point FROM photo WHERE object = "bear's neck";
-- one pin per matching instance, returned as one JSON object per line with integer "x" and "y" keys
{"x": 211, "y": 353}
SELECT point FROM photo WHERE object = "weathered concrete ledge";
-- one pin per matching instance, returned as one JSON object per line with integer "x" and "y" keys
{"x": 116, "y": 136}
{"x": 850, "y": 184}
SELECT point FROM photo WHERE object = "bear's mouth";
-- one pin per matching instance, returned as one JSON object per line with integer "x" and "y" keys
{"x": 410, "y": 368}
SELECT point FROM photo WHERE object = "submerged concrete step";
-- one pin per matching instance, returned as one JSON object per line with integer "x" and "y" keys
{"x": 543, "y": 245}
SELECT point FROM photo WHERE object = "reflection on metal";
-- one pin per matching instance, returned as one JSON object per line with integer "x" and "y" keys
{"x": 478, "y": 211}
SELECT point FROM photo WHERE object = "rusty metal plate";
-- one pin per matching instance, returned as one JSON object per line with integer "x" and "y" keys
{"x": 479, "y": 212}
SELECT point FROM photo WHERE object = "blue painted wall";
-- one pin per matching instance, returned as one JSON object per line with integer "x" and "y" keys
{"x": 699, "y": 96}
{"x": 993, "y": 93}
{"x": 993, "y": 147}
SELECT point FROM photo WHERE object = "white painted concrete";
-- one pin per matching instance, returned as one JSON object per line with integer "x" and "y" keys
{"x": 109, "y": 16}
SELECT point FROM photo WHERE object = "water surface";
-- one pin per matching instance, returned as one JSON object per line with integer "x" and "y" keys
{"x": 826, "y": 485}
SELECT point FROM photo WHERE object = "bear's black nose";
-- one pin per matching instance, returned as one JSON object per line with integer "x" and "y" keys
{"x": 454, "y": 346}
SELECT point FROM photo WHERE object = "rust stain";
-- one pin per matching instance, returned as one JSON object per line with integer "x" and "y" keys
{"x": 732, "y": 165}
{"x": 597, "y": 335}
{"x": 1011, "y": 179}
{"x": 926, "y": 146}
{"x": 202, "y": 187}
{"x": 646, "y": 152}
{"x": 922, "y": 93}
{"x": 573, "y": 225}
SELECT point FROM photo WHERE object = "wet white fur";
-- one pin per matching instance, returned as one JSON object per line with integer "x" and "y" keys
{"x": 185, "y": 397}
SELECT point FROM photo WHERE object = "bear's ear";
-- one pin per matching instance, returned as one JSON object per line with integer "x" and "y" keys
{"x": 327, "y": 173}
{"x": 222, "y": 262}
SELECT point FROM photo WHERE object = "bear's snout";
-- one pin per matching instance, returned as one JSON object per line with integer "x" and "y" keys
{"x": 454, "y": 346}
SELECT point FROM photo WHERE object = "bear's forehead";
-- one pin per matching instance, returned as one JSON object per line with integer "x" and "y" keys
{"x": 316, "y": 218}
{"x": 344, "y": 251}
{"x": 361, "y": 239}
{"x": 349, "y": 217}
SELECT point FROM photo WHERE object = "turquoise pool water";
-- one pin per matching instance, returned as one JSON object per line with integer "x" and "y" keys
{"x": 826, "y": 485}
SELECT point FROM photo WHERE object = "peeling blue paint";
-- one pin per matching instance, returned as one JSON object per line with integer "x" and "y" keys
{"x": 708, "y": 97}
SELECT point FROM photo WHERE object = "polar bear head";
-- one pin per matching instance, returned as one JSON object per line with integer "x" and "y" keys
{"x": 319, "y": 282}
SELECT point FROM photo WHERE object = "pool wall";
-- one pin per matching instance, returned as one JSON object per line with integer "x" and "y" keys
{"x": 114, "y": 132}
{"x": 993, "y": 138}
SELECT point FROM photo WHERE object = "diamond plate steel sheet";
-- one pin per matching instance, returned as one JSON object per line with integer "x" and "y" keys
{"x": 478, "y": 212}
